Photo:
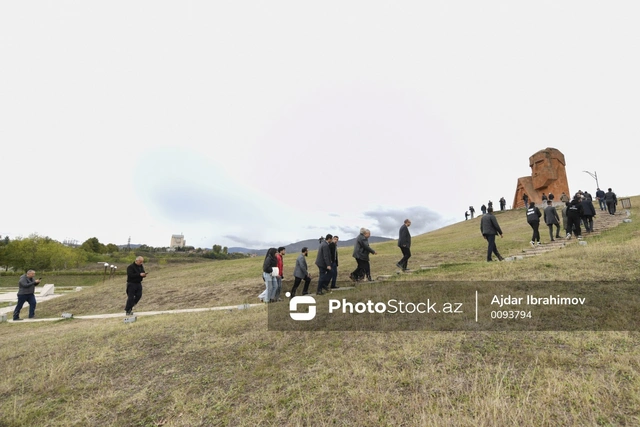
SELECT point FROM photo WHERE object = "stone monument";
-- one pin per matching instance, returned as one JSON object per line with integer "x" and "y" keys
{"x": 548, "y": 175}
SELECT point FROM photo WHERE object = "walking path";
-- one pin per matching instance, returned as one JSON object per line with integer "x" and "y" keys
{"x": 602, "y": 221}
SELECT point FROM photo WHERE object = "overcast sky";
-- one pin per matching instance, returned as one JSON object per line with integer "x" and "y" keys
{"x": 256, "y": 124}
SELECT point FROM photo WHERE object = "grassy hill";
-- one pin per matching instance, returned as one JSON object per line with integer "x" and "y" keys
{"x": 225, "y": 368}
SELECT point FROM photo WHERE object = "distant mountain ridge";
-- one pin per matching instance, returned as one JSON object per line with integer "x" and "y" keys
{"x": 312, "y": 244}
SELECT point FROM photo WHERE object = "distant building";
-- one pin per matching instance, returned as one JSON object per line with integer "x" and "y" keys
{"x": 177, "y": 241}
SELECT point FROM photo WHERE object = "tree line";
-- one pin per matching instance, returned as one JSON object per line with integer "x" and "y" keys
{"x": 46, "y": 254}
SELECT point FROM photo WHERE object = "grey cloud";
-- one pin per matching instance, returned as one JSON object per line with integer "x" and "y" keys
{"x": 251, "y": 244}
{"x": 388, "y": 221}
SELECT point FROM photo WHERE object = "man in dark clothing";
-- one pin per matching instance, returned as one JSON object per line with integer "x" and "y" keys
{"x": 361, "y": 251}
{"x": 600, "y": 197}
{"x": 323, "y": 261}
{"x": 525, "y": 198}
{"x": 551, "y": 197}
{"x": 301, "y": 273}
{"x": 135, "y": 274}
{"x": 503, "y": 203}
{"x": 404, "y": 243}
{"x": 533, "y": 218}
{"x": 333, "y": 247}
{"x": 611, "y": 200}
{"x": 588, "y": 212}
{"x": 574, "y": 215}
{"x": 483, "y": 208}
{"x": 489, "y": 228}
{"x": 551, "y": 218}
{"x": 472, "y": 211}
{"x": 26, "y": 293}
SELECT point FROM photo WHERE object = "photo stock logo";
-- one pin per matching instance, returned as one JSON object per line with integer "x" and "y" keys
{"x": 304, "y": 299}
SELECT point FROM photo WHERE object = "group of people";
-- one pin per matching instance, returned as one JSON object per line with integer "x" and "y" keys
{"x": 327, "y": 262}
{"x": 484, "y": 208}
{"x": 576, "y": 212}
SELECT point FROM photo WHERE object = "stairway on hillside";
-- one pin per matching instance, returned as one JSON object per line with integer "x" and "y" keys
{"x": 602, "y": 221}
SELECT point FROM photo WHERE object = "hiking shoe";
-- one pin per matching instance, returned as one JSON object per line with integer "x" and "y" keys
{"x": 129, "y": 313}
{"x": 335, "y": 287}
{"x": 568, "y": 236}
{"x": 320, "y": 293}
{"x": 539, "y": 244}
{"x": 399, "y": 266}
{"x": 532, "y": 243}
{"x": 17, "y": 319}
{"x": 353, "y": 279}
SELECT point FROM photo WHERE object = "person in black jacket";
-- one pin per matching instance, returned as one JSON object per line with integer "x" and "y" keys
{"x": 611, "y": 200}
{"x": 404, "y": 243}
{"x": 270, "y": 279}
{"x": 489, "y": 227}
{"x": 323, "y": 261}
{"x": 333, "y": 248}
{"x": 135, "y": 274}
{"x": 574, "y": 215}
{"x": 533, "y": 218}
{"x": 588, "y": 212}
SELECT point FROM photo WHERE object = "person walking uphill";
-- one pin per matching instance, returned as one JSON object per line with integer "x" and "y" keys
{"x": 323, "y": 261}
{"x": 26, "y": 293}
{"x": 489, "y": 227}
{"x": 533, "y": 218}
{"x": 135, "y": 274}
{"x": 551, "y": 218}
{"x": 404, "y": 243}
{"x": 361, "y": 251}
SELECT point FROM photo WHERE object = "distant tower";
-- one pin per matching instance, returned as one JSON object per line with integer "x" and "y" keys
{"x": 177, "y": 241}
{"x": 129, "y": 244}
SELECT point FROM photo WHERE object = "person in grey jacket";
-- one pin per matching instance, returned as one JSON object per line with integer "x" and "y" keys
{"x": 361, "y": 251}
{"x": 551, "y": 218}
{"x": 323, "y": 261}
{"x": 404, "y": 243}
{"x": 26, "y": 293}
{"x": 300, "y": 273}
{"x": 489, "y": 227}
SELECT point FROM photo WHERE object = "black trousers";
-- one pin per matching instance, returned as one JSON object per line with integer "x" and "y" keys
{"x": 573, "y": 225}
{"x": 536, "y": 232}
{"x": 134, "y": 293}
{"x": 363, "y": 270}
{"x": 551, "y": 230}
{"x": 406, "y": 254}
{"x": 296, "y": 283}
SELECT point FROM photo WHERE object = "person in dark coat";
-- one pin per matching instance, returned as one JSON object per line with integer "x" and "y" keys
{"x": 525, "y": 199}
{"x": 483, "y": 208}
{"x": 323, "y": 261}
{"x": 551, "y": 218}
{"x": 404, "y": 243}
{"x": 333, "y": 248}
{"x": 611, "y": 200}
{"x": 489, "y": 228}
{"x": 600, "y": 198}
{"x": 588, "y": 212}
{"x": 135, "y": 274}
{"x": 361, "y": 251}
{"x": 26, "y": 293}
{"x": 503, "y": 203}
{"x": 533, "y": 218}
{"x": 574, "y": 215}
